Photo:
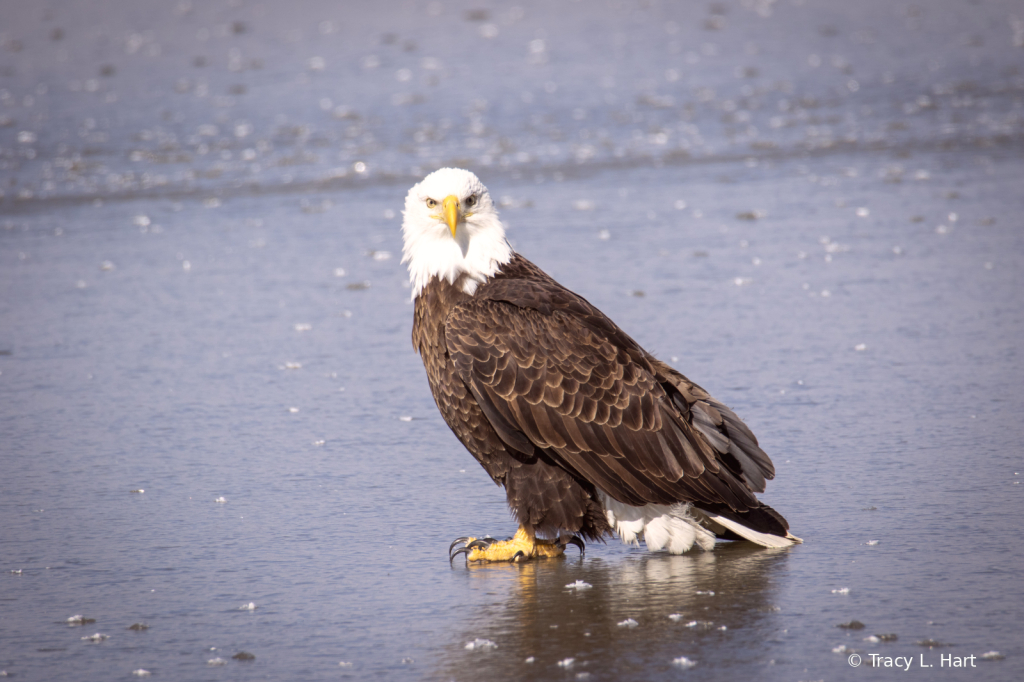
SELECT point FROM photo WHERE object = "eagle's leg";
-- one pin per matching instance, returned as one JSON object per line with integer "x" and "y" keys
{"x": 523, "y": 545}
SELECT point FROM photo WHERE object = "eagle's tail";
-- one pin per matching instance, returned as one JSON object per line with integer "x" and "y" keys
{"x": 763, "y": 526}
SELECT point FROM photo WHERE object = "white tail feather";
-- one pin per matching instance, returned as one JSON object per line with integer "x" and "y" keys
{"x": 717, "y": 522}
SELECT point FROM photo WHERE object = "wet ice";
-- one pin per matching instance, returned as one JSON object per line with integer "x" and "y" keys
{"x": 267, "y": 145}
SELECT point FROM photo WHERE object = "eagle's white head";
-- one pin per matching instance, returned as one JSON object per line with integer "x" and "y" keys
{"x": 451, "y": 228}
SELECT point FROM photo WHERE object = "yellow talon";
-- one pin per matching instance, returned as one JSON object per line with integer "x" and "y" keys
{"x": 522, "y": 546}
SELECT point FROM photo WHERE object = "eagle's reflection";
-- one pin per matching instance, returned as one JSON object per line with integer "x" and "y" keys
{"x": 705, "y": 606}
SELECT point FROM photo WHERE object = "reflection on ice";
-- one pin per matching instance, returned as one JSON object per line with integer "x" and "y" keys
{"x": 543, "y": 619}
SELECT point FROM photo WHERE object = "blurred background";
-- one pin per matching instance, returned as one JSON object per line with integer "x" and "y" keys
{"x": 213, "y": 425}
{"x": 106, "y": 99}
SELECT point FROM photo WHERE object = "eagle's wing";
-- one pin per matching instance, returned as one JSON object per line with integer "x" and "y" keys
{"x": 566, "y": 380}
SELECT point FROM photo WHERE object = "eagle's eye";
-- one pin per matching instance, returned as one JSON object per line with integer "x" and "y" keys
{"x": 471, "y": 200}
{"x": 431, "y": 203}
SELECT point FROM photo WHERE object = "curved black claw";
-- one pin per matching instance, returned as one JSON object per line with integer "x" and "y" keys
{"x": 457, "y": 541}
{"x": 518, "y": 555}
{"x": 482, "y": 543}
{"x": 575, "y": 540}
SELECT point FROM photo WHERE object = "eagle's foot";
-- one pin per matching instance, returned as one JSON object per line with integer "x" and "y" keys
{"x": 521, "y": 547}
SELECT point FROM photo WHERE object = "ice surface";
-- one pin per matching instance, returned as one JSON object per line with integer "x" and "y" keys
{"x": 693, "y": 129}
{"x": 702, "y": 624}
{"x": 932, "y": 643}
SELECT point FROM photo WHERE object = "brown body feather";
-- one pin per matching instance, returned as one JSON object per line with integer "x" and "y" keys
{"x": 557, "y": 402}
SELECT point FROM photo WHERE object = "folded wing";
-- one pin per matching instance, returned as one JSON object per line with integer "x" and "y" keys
{"x": 552, "y": 373}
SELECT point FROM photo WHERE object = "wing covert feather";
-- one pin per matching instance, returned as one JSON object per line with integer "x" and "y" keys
{"x": 596, "y": 406}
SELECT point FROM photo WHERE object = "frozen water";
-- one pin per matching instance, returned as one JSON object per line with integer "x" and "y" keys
{"x": 240, "y": 165}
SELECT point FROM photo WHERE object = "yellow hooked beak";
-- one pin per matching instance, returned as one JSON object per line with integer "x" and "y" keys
{"x": 450, "y": 211}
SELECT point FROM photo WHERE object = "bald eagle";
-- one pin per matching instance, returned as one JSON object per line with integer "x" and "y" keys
{"x": 588, "y": 433}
